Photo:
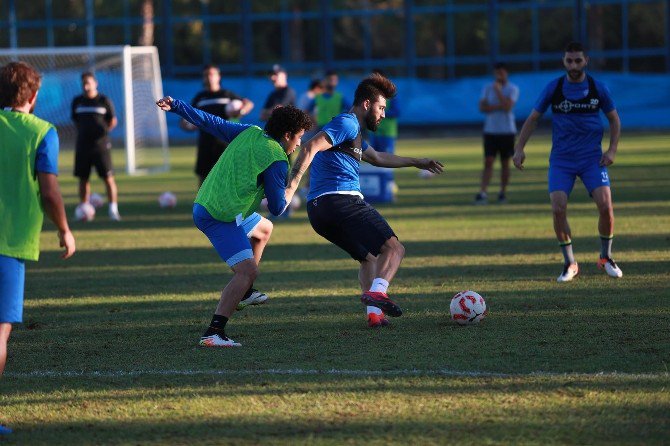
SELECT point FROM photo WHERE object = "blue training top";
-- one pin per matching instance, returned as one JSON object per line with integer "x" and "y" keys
{"x": 577, "y": 128}
{"x": 336, "y": 170}
{"x": 274, "y": 177}
{"x": 46, "y": 160}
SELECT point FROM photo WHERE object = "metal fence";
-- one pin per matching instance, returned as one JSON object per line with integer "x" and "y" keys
{"x": 436, "y": 39}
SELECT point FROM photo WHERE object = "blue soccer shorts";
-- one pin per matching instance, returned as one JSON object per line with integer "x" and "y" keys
{"x": 12, "y": 281}
{"x": 562, "y": 175}
{"x": 230, "y": 239}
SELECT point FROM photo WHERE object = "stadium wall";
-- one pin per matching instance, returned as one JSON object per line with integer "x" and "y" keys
{"x": 643, "y": 100}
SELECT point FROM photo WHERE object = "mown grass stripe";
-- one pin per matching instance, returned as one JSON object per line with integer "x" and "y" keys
{"x": 302, "y": 372}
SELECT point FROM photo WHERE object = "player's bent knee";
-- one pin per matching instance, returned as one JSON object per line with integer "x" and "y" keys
{"x": 394, "y": 245}
{"x": 559, "y": 208}
{"x": 246, "y": 269}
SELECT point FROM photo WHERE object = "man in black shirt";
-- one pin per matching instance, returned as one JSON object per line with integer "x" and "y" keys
{"x": 94, "y": 117}
{"x": 281, "y": 95}
{"x": 219, "y": 102}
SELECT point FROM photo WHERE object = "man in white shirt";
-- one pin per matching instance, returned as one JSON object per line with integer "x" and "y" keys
{"x": 497, "y": 103}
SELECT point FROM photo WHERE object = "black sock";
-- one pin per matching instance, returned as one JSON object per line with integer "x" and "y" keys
{"x": 217, "y": 326}
{"x": 606, "y": 247}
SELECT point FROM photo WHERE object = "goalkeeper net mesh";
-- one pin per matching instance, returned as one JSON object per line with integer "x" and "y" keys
{"x": 129, "y": 76}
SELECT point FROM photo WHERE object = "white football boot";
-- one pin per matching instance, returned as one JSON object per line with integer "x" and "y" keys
{"x": 610, "y": 268}
{"x": 217, "y": 340}
{"x": 569, "y": 273}
{"x": 255, "y": 297}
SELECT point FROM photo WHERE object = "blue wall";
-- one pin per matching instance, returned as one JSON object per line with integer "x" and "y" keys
{"x": 643, "y": 101}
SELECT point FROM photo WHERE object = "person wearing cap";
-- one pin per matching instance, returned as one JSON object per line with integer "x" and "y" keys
{"x": 282, "y": 94}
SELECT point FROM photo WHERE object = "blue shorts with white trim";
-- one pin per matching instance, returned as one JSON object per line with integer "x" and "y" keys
{"x": 562, "y": 175}
{"x": 230, "y": 239}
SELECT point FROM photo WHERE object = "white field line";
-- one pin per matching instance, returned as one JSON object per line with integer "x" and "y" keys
{"x": 327, "y": 372}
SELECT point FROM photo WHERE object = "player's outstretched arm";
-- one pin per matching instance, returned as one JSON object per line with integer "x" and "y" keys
{"x": 52, "y": 201}
{"x": 615, "y": 132}
{"x": 528, "y": 128}
{"x": 211, "y": 124}
{"x": 319, "y": 142}
{"x": 383, "y": 159}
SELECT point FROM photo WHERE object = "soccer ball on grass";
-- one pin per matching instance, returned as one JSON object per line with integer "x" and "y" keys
{"x": 467, "y": 308}
{"x": 167, "y": 200}
{"x": 84, "y": 212}
{"x": 96, "y": 200}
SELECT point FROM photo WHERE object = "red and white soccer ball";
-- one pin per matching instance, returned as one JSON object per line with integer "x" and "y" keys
{"x": 84, "y": 212}
{"x": 167, "y": 200}
{"x": 467, "y": 308}
{"x": 96, "y": 200}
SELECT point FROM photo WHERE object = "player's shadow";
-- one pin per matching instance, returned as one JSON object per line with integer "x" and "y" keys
{"x": 150, "y": 271}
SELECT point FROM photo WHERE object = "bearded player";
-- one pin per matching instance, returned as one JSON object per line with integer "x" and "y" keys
{"x": 335, "y": 205}
{"x": 576, "y": 100}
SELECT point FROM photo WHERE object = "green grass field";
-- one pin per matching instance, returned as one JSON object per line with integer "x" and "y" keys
{"x": 108, "y": 354}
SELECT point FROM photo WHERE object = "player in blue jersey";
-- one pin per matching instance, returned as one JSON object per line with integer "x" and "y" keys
{"x": 335, "y": 206}
{"x": 577, "y": 131}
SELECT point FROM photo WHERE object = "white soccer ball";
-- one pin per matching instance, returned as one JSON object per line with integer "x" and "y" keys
{"x": 233, "y": 107}
{"x": 167, "y": 200}
{"x": 84, "y": 212}
{"x": 295, "y": 203}
{"x": 96, "y": 200}
{"x": 467, "y": 308}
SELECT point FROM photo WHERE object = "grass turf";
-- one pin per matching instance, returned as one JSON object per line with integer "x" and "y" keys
{"x": 583, "y": 362}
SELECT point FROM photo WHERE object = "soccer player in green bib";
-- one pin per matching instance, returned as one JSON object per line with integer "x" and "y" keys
{"x": 28, "y": 188}
{"x": 254, "y": 165}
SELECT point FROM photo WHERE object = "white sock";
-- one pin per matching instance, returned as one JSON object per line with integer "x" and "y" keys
{"x": 379, "y": 285}
{"x": 374, "y": 310}
{"x": 114, "y": 208}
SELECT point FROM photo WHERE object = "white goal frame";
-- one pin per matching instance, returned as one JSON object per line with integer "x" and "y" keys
{"x": 126, "y": 52}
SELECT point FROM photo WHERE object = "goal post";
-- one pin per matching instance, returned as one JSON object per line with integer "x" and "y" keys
{"x": 129, "y": 75}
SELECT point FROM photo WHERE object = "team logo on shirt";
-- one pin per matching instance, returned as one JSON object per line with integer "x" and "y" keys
{"x": 567, "y": 106}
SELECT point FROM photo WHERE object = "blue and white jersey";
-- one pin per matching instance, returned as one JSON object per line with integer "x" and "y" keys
{"x": 336, "y": 170}
{"x": 577, "y": 128}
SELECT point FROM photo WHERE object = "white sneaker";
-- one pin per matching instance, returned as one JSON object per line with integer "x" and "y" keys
{"x": 114, "y": 216}
{"x": 569, "y": 272}
{"x": 216, "y": 340}
{"x": 254, "y": 298}
{"x": 610, "y": 268}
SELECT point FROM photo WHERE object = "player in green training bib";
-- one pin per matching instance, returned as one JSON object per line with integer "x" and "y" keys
{"x": 254, "y": 165}
{"x": 28, "y": 189}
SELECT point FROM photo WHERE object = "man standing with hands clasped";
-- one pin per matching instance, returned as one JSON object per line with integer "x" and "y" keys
{"x": 497, "y": 103}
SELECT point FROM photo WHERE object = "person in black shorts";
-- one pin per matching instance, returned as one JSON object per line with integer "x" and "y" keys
{"x": 497, "y": 103}
{"x": 219, "y": 102}
{"x": 335, "y": 204}
{"x": 94, "y": 117}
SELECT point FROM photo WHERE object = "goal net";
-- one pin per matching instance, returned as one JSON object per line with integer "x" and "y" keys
{"x": 129, "y": 76}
